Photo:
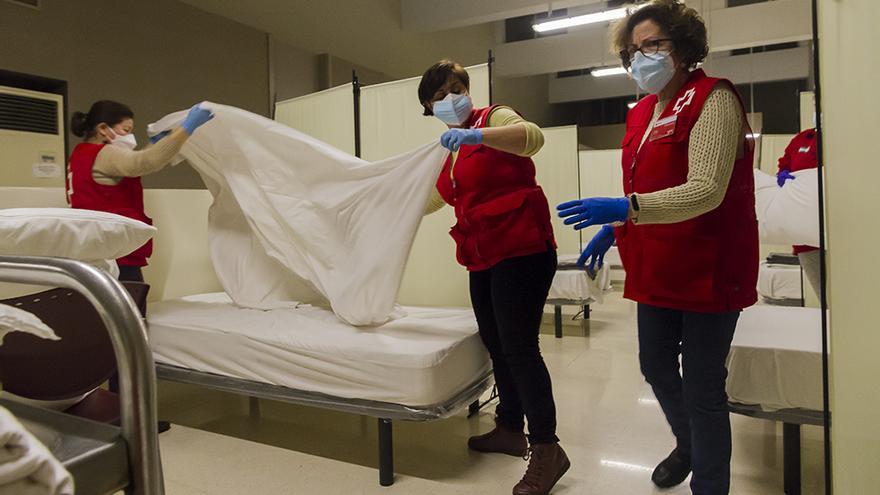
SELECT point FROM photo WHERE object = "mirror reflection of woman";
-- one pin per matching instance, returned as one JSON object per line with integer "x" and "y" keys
{"x": 686, "y": 231}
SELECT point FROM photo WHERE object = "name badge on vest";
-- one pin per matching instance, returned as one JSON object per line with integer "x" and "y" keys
{"x": 663, "y": 128}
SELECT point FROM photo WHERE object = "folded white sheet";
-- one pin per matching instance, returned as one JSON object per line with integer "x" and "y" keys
{"x": 26, "y": 466}
{"x": 296, "y": 220}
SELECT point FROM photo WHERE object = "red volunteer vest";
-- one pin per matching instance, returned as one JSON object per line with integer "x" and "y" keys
{"x": 125, "y": 198}
{"x": 708, "y": 263}
{"x": 501, "y": 211}
{"x": 800, "y": 154}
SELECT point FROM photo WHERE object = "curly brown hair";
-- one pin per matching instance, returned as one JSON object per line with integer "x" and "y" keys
{"x": 680, "y": 22}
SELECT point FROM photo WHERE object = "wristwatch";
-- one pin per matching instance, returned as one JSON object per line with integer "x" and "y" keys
{"x": 634, "y": 201}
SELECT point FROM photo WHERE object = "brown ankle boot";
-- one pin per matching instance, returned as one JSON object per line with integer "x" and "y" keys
{"x": 500, "y": 440}
{"x": 547, "y": 463}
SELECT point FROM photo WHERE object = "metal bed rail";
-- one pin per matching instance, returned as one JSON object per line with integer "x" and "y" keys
{"x": 128, "y": 335}
{"x": 384, "y": 412}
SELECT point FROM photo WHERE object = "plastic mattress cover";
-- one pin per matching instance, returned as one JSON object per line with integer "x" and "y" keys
{"x": 295, "y": 220}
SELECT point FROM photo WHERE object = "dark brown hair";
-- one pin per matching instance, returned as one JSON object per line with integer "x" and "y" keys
{"x": 436, "y": 76}
{"x": 680, "y": 22}
{"x": 104, "y": 111}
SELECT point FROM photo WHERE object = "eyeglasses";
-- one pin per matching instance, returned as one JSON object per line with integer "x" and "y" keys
{"x": 649, "y": 49}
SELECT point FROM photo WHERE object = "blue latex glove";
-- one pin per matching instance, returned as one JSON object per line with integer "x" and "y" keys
{"x": 596, "y": 249}
{"x": 196, "y": 117}
{"x": 783, "y": 176}
{"x": 454, "y": 138}
{"x": 594, "y": 211}
{"x": 155, "y": 139}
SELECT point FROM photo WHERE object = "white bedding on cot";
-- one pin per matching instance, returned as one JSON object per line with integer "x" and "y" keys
{"x": 296, "y": 220}
{"x": 779, "y": 281}
{"x": 789, "y": 214}
{"x": 576, "y": 285}
{"x": 421, "y": 359}
{"x": 775, "y": 360}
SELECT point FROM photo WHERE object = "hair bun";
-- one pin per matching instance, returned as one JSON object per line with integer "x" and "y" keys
{"x": 78, "y": 123}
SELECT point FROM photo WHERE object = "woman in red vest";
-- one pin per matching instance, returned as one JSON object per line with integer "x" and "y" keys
{"x": 800, "y": 154}
{"x": 505, "y": 240}
{"x": 104, "y": 172}
{"x": 686, "y": 230}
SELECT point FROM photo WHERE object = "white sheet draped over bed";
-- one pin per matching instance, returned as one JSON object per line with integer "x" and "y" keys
{"x": 296, "y": 220}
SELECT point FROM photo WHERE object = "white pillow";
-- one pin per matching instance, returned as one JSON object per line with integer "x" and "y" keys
{"x": 85, "y": 235}
{"x": 17, "y": 320}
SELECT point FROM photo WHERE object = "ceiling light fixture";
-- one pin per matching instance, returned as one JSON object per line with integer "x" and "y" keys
{"x": 582, "y": 20}
{"x": 608, "y": 71}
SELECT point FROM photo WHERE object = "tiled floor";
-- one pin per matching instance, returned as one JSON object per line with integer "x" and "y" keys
{"x": 609, "y": 423}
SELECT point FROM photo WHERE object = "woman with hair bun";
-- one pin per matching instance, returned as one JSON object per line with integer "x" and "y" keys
{"x": 104, "y": 170}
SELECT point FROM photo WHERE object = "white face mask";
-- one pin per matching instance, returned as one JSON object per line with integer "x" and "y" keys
{"x": 126, "y": 141}
{"x": 653, "y": 73}
{"x": 454, "y": 109}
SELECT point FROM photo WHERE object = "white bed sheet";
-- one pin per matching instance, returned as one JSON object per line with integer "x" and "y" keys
{"x": 779, "y": 281}
{"x": 775, "y": 360}
{"x": 419, "y": 360}
{"x": 576, "y": 285}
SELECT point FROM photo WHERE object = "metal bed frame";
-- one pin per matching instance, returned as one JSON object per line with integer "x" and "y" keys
{"x": 791, "y": 420}
{"x": 101, "y": 457}
{"x": 557, "y": 313}
{"x": 384, "y": 412}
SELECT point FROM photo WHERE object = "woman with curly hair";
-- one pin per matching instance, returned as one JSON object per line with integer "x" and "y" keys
{"x": 686, "y": 230}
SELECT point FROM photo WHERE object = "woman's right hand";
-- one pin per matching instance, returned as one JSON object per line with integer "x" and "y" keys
{"x": 196, "y": 117}
{"x": 596, "y": 249}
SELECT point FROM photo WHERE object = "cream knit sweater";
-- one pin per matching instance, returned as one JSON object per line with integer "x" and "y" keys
{"x": 715, "y": 143}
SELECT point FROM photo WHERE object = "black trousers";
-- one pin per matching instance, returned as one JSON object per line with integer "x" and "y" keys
{"x": 126, "y": 274}
{"x": 695, "y": 401}
{"x": 508, "y": 301}
{"x": 130, "y": 274}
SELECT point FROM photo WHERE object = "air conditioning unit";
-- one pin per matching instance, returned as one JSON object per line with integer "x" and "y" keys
{"x": 31, "y": 138}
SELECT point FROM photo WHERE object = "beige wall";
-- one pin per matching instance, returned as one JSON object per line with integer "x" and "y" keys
{"x": 529, "y": 95}
{"x": 295, "y": 71}
{"x": 156, "y": 56}
{"x": 365, "y": 32}
{"x": 845, "y": 31}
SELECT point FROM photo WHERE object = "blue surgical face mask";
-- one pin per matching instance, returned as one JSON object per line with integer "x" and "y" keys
{"x": 652, "y": 73}
{"x": 454, "y": 109}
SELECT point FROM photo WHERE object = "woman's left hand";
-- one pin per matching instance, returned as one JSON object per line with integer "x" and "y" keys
{"x": 454, "y": 138}
{"x": 594, "y": 211}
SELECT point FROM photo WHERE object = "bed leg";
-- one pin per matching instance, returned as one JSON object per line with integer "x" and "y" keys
{"x": 386, "y": 453}
{"x": 791, "y": 458}
{"x": 557, "y": 320}
{"x": 254, "y": 408}
{"x": 587, "y": 312}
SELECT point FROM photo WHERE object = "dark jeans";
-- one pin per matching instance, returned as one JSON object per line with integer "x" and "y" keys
{"x": 130, "y": 274}
{"x": 508, "y": 301}
{"x": 696, "y": 405}
{"x": 126, "y": 274}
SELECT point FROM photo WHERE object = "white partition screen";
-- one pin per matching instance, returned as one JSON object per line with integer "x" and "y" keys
{"x": 392, "y": 120}
{"x": 327, "y": 115}
{"x": 772, "y": 148}
{"x": 601, "y": 175}
{"x": 391, "y": 123}
{"x": 557, "y": 173}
